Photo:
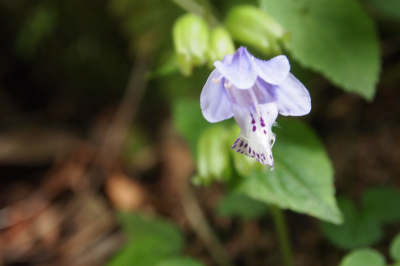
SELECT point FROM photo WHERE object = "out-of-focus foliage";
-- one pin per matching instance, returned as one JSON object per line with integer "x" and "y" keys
{"x": 239, "y": 205}
{"x": 387, "y": 8}
{"x": 358, "y": 229}
{"x": 382, "y": 203}
{"x": 179, "y": 261}
{"x": 250, "y": 26}
{"x": 38, "y": 25}
{"x": 334, "y": 37}
{"x": 303, "y": 176}
{"x": 394, "y": 249}
{"x": 189, "y": 121}
{"x": 151, "y": 242}
{"x": 146, "y": 21}
{"x": 364, "y": 227}
{"x": 363, "y": 257}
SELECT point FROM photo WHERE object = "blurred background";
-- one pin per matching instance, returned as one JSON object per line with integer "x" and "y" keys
{"x": 90, "y": 157}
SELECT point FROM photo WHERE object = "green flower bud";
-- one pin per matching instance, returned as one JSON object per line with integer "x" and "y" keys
{"x": 221, "y": 44}
{"x": 213, "y": 156}
{"x": 191, "y": 41}
{"x": 251, "y": 26}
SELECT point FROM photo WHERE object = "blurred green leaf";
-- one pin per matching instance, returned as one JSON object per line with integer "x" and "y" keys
{"x": 180, "y": 261}
{"x": 334, "y": 37}
{"x": 358, "y": 229}
{"x": 363, "y": 257}
{"x": 149, "y": 251}
{"x": 302, "y": 179}
{"x": 37, "y": 26}
{"x": 138, "y": 227}
{"x": 394, "y": 249}
{"x": 149, "y": 241}
{"x": 166, "y": 69}
{"x": 239, "y": 205}
{"x": 253, "y": 27}
{"x": 387, "y": 8}
{"x": 213, "y": 162}
{"x": 382, "y": 203}
{"x": 189, "y": 121}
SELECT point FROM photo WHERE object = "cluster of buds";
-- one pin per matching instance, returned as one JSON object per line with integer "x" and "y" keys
{"x": 196, "y": 43}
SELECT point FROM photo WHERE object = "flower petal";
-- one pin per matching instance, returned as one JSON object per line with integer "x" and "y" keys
{"x": 293, "y": 98}
{"x": 214, "y": 101}
{"x": 273, "y": 71}
{"x": 256, "y": 138}
{"x": 242, "y": 71}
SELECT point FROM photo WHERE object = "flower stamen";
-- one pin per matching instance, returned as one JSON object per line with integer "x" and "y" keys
{"x": 217, "y": 80}
{"x": 228, "y": 85}
{"x": 254, "y": 98}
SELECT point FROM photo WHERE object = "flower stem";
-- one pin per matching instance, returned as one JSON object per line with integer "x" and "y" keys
{"x": 283, "y": 235}
{"x": 194, "y": 7}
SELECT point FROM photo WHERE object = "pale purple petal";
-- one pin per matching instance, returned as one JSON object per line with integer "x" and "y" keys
{"x": 242, "y": 71}
{"x": 273, "y": 71}
{"x": 293, "y": 98}
{"x": 214, "y": 101}
{"x": 264, "y": 92}
{"x": 228, "y": 59}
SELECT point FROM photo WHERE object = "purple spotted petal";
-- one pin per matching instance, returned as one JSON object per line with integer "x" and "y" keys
{"x": 242, "y": 71}
{"x": 273, "y": 71}
{"x": 293, "y": 98}
{"x": 214, "y": 101}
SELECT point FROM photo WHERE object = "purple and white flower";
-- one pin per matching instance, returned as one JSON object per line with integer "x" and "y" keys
{"x": 253, "y": 91}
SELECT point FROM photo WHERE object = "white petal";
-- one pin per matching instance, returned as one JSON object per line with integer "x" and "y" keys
{"x": 256, "y": 138}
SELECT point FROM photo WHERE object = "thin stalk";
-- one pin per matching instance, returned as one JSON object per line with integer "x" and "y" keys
{"x": 283, "y": 235}
{"x": 202, "y": 11}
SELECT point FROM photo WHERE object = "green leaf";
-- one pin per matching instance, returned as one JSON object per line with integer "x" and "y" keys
{"x": 334, "y": 37}
{"x": 149, "y": 241}
{"x": 358, "y": 229}
{"x": 395, "y": 248}
{"x": 387, "y": 8}
{"x": 149, "y": 251}
{"x": 382, "y": 203}
{"x": 139, "y": 227}
{"x": 180, "y": 261}
{"x": 363, "y": 257}
{"x": 238, "y": 205}
{"x": 302, "y": 179}
{"x": 213, "y": 162}
{"x": 189, "y": 120}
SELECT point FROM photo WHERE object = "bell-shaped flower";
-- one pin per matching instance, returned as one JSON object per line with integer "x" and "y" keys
{"x": 253, "y": 91}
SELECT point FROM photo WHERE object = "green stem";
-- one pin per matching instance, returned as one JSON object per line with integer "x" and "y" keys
{"x": 283, "y": 235}
{"x": 190, "y": 6}
{"x": 194, "y": 7}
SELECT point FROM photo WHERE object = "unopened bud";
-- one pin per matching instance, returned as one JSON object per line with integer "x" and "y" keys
{"x": 191, "y": 41}
{"x": 221, "y": 44}
{"x": 251, "y": 26}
